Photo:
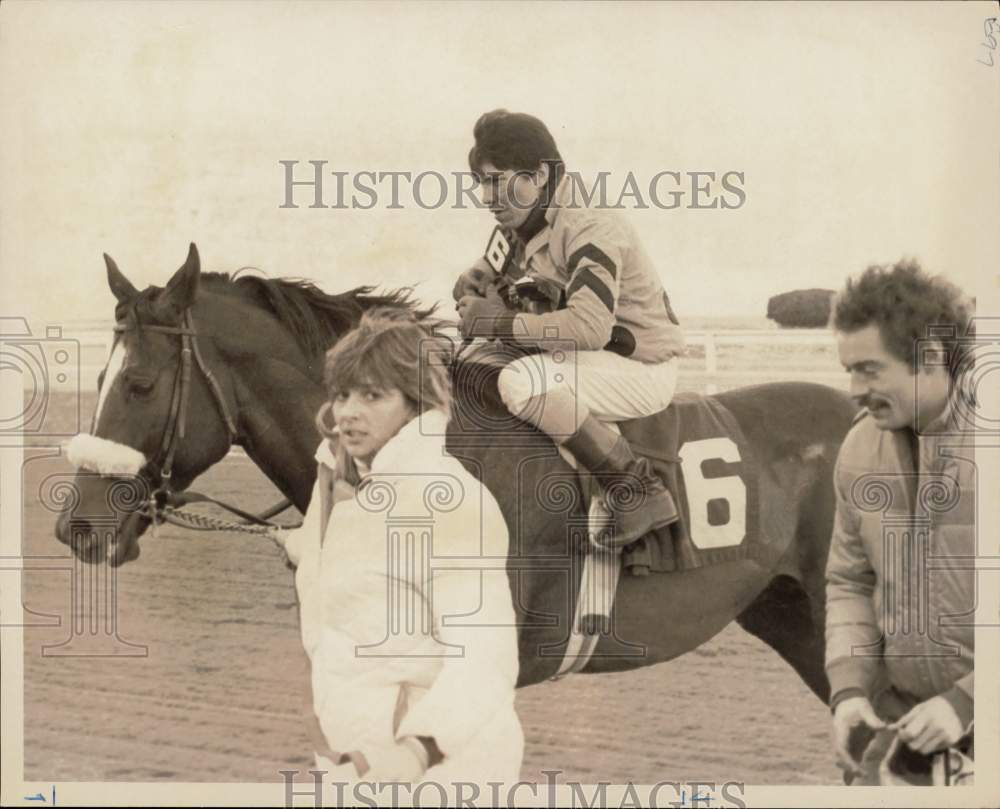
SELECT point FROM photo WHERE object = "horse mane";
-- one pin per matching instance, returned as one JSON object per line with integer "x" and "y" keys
{"x": 315, "y": 318}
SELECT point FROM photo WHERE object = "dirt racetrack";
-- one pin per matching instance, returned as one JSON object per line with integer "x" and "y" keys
{"x": 217, "y": 693}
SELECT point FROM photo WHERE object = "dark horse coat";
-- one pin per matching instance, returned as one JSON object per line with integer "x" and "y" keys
{"x": 263, "y": 343}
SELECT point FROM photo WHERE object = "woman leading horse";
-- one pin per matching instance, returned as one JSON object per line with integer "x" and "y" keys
{"x": 414, "y": 665}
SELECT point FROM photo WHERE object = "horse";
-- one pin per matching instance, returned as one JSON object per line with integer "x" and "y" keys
{"x": 259, "y": 343}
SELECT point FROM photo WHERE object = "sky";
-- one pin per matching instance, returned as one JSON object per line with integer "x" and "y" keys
{"x": 864, "y": 133}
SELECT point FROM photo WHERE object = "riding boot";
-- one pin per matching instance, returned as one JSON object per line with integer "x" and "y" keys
{"x": 636, "y": 497}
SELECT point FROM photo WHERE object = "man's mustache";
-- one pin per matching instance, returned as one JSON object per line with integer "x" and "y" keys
{"x": 869, "y": 401}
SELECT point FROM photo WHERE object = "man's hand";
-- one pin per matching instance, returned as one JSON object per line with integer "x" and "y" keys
{"x": 474, "y": 281}
{"x": 479, "y": 316}
{"x": 852, "y": 713}
{"x": 930, "y": 726}
{"x": 397, "y": 763}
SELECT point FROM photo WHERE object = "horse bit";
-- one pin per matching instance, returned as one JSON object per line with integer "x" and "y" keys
{"x": 163, "y": 502}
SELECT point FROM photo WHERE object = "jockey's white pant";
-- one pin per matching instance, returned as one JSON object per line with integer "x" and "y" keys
{"x": 557, "y": 391}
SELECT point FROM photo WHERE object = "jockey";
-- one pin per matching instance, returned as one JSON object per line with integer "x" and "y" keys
{"x": 428, "y": 693}
{"x": 601, "y": 297}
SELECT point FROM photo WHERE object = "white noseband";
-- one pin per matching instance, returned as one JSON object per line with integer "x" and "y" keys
{"x": 95, "y": 454}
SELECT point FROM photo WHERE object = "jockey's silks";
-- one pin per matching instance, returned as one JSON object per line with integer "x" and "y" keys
{"x": 536, "y": 219}
{"x": 610, "y": 286}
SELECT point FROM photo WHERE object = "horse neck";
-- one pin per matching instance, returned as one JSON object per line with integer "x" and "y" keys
{"x": 277, "y": 389}
{"x": 279, "y": 434}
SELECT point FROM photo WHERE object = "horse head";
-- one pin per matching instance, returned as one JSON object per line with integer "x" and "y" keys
{"x": 162, "y": 418}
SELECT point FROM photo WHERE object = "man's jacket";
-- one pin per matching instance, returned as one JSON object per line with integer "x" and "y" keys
{"x": 900, "y": 578}
{"x": 606, "y": 287}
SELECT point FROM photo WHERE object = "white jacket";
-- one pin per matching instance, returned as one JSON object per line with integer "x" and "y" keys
{"x": 406, "y": 603}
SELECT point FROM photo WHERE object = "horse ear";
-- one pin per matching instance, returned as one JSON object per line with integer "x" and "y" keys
{"x": 182, "y": 289}
{"x": 121, "y": 287}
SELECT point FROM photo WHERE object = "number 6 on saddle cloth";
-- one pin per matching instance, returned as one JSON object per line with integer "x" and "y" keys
{"x": 699, "y": 451}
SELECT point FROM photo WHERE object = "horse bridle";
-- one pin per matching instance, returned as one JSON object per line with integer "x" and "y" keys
{"x": 175, "y": 427}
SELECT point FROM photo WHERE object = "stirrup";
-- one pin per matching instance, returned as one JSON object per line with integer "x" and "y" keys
{"x": 600, "y": 579}
{"x": 600, "y": 524}
{"x": 602, "y": 567}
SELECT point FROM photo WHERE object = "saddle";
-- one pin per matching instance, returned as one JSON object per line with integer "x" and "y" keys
{"x": 711, "y": 529}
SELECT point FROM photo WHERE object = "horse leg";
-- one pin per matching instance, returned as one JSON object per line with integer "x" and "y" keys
{"x": 784, "y": 618}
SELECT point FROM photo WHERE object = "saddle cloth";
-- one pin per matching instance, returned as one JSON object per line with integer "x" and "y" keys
{"x": 718, "y": 463}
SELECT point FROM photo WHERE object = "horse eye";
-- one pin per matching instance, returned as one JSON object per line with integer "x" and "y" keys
{"x": 140, "y": 387}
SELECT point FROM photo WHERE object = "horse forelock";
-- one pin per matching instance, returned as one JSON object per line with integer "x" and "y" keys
{"x": 142, "y": 310}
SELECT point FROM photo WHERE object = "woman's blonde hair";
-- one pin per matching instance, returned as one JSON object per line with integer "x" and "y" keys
{"x": 389, "y": 349}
